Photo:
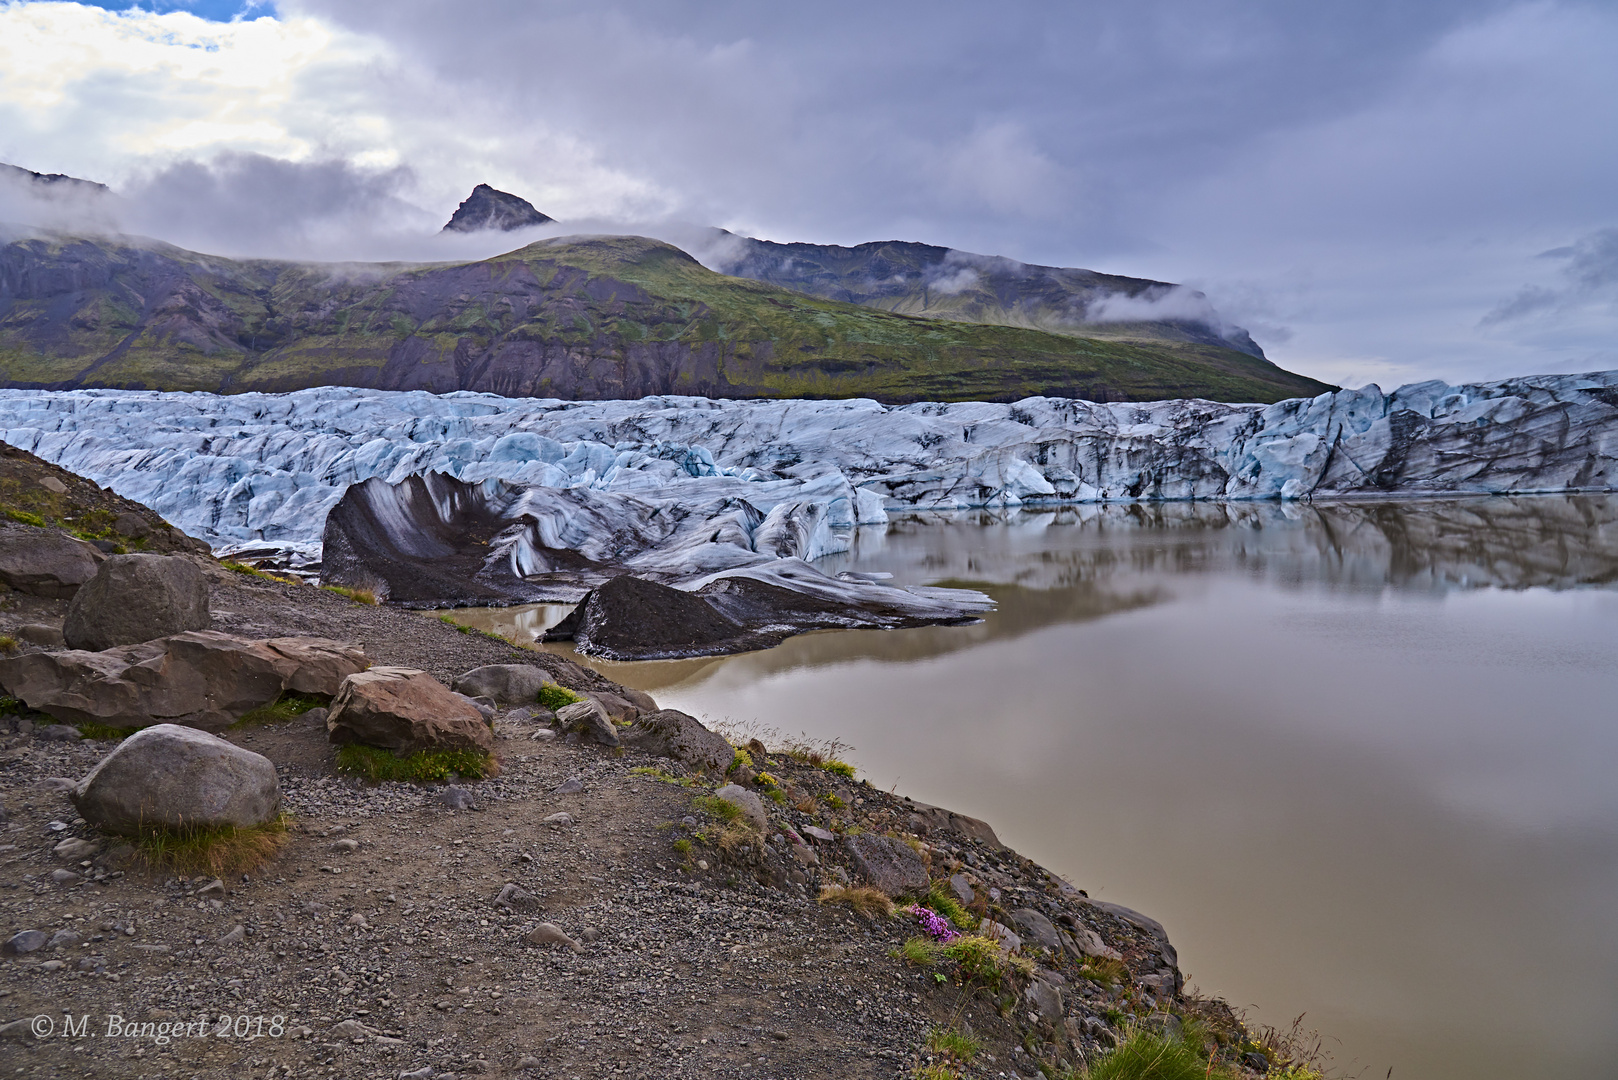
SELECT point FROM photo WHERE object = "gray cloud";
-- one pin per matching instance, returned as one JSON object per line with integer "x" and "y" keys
{"x": 1360, "y": 184}
{"x": 1589, "y": 274}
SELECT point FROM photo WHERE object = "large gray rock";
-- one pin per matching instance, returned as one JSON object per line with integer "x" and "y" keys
{"x": 890, "y": 865}
{"x": 748, "y": 802}
{"x": 405, "y": 710}
{"x": 45, "y": 562}
{"x": 203, "y": 679}
{"x": 671, "y": 733}
{"x": 175, "y": 777}
{"x": 1036, "y": 928}
{"x": 927, "y": 820}
{"x": 504, "y": 684}
{"x": 135, "y": 598}
{"x": 589, "y": 719}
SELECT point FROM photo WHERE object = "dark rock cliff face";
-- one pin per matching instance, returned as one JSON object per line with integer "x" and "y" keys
{"x": 488, "y": 208}
{"x": 944, "y": 283}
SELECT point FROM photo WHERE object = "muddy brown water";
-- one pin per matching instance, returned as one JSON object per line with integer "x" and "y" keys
{"x": 1359, "y": 759}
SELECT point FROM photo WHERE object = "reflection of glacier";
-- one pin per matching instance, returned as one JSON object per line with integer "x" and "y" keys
{"x": 268, "y": 467}
{"x": 1542, "y": 541}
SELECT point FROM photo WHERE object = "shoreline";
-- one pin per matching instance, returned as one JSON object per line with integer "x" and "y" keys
{"x": 617, "y": 871}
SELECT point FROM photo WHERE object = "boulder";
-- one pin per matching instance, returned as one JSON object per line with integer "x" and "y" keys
{"x": 926, "y": 820}
{"x": 589, "y": 719}
{"x": 889, "y": 865}
{"x": 504, "y": 684}
{"x": 203, "y": 679}
{"x": 630, "y": 618}
{"x": 48, "y": 634}
{"x": 45, "y": 562}
{"x": 751, "y": 806}
{"x": 1036, "y": 927}
{"x": 618, "y": 707}
{"x": 405, "y": 710}
{"x": 177, "y": 777}
{"x": 1000, "y": 934}
{"x": 135, "y": 598}
{"x": 671, "y": 733}
{"x": 1044, "y": 997}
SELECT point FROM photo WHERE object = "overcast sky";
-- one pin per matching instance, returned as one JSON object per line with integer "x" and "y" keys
{"x": 1380, "y": 191}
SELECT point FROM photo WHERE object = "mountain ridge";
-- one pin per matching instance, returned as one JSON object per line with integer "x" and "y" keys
{"x": 580, "y": 317}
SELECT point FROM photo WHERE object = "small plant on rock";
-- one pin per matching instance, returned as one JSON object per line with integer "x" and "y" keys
{"x": 715, "y": 807}
{"x": 8, "y": 644}
{"x": 23, "y": 517}
{"x": 553, "y": 697}
{"x": 862, "y": 898}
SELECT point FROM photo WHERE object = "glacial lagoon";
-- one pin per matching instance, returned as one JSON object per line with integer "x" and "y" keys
{"x": 1359, "y": 758}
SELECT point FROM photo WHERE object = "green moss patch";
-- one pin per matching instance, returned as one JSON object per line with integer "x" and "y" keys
{"x": 283, "y": 708}
{"x": 427, "y": 766}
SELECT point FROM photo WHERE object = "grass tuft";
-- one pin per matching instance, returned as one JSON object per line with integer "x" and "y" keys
{"x": 359, "y": 596}
{"x": 861, "y": 898}
{"x": 982, "y": 958}
{"x": 715, "y": 807}
{"x": 554, "y": 696}
{"x": 841, "y": 768}
{"x": 103, "y": 733}
{"x": 957, "y": 1045}
{"x": 459, "y": 626}
{"x": 938, "y": 1070}
{"x": 1144, "y": 1054}
{"x": 941, "y": 900}
{"x": 218, "y": 850}
{"x": 253, "y": 571}
{"x": 23, "y": 517}
{"x": 1105, "y": 970}
{"x": 375, "y": 765}
{"x": 9, "y": 644}
{"x": 285, "y": 707}
{"x": 654, "y": 773}
{"x": 920, "y": 951}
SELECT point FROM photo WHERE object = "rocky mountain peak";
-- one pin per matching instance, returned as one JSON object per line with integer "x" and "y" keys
{"x": 53, "y": 181}
{"x": 488, "y": 208}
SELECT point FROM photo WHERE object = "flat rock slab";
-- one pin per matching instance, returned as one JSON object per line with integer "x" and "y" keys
{"x": 890, "y": 865}
{"x": 202, "y": 679}
{"x": 135, "y": 598}
{"x": 177, "y": 777}
{"x": 405, "y": 710}
{"x": 45, "y": 562}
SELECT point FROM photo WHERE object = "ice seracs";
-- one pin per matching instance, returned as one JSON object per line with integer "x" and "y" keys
{"x": 255, "y": 467}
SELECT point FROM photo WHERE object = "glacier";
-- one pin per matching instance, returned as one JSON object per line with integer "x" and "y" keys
{"x": 260, "y": 471}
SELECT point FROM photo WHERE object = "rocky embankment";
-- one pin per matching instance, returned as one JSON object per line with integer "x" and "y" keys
{"x": 624, "y": 893}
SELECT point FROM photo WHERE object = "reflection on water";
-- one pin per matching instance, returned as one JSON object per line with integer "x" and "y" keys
{"x": 1357, "y": 758}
